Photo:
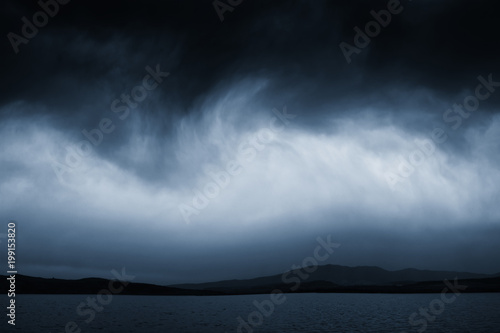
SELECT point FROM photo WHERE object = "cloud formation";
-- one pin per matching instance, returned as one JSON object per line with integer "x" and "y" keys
{"x": 113, "y": 201}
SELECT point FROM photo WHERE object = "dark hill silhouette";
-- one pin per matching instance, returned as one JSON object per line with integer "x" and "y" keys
{"x": 328, "y": 279}
{"x": 36, "y": 285}
{"x": 343, "y": 276}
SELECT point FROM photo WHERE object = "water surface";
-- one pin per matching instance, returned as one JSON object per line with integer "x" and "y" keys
{"x": 471, "y": 313}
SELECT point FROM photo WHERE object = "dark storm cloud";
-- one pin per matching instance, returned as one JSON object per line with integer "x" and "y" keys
{"x": 94, "y": 42}
{"x": 322, "y": 175}
{"x": 92, "y": 52}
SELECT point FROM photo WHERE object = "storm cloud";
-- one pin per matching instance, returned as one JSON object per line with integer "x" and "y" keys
{"x": 262, "y": 134}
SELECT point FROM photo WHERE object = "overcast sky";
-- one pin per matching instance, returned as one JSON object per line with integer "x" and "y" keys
{"x": 155, "y": 136}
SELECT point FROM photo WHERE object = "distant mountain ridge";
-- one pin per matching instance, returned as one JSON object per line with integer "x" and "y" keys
{"x": 342, "y": 276}
{"x": 37, "y": 285}
{"x": 325, "y": 279}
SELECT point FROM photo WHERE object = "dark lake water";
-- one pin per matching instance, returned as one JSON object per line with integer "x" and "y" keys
{"x": 470, "y": 313}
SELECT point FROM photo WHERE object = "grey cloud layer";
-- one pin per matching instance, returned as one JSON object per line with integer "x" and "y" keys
{"x": 323, "y": 175}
